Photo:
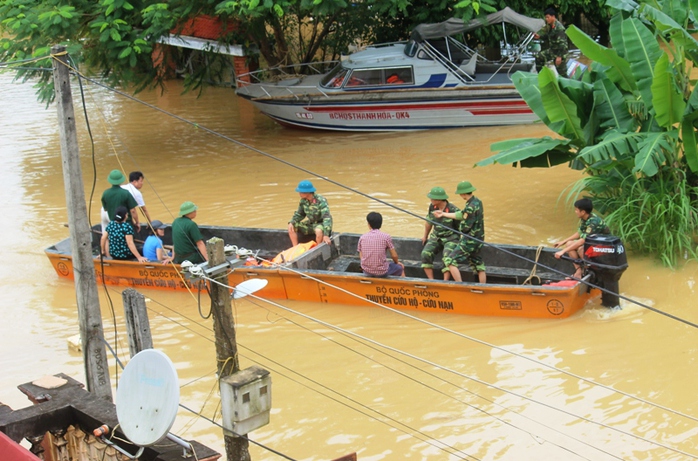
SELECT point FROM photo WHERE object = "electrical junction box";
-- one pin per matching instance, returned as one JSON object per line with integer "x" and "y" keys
{"x": 245, "y": 400}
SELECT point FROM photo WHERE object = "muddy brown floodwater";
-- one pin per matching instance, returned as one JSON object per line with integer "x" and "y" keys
{"x": 464, "y": 390}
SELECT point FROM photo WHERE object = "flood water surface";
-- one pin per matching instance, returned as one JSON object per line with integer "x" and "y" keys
{"x": 600, "y": 385}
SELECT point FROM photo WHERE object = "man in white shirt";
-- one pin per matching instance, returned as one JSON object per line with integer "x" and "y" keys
{"x": 134, "y": 186}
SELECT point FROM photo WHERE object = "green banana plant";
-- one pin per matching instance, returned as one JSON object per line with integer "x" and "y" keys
{"x": 631, "y": 123}
{"x": 635, "y": 89}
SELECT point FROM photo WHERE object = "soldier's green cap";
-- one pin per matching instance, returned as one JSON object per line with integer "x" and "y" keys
{"x": 186, "y": 208}
{"x": 437, "y": 193}
{"x": 116, "y": 177}
{"x": 464, "y": 187}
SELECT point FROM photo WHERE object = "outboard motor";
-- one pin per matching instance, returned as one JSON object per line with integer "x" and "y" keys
{"x": 606, "y": 258}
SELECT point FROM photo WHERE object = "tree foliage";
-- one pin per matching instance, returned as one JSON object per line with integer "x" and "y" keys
{"x": 630, "y": 123}
{"x": 116, "y": 38}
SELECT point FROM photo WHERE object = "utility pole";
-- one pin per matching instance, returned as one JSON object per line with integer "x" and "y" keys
{"x": 236, "y": 448}
{"x": 89, "y": 314}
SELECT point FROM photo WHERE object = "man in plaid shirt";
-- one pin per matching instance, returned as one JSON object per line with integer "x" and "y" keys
{"x": 372, "y": 247}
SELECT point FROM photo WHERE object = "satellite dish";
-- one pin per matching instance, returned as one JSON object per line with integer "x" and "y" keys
{"x": 248, "y": 287}
{"x": 148, "y": 397}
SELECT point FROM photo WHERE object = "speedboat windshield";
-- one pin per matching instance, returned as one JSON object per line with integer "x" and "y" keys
{"x": 335, "y": 77}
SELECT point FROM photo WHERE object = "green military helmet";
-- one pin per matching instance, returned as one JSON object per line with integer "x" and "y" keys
{"x": 116, "y": 177}
{"x": 437, "y": 193}
{"x": 186, "y": 208}
{"x": 464, "y": 187}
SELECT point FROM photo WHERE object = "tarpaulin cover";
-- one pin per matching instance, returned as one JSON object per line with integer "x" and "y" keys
{"x": 456, "y": 26}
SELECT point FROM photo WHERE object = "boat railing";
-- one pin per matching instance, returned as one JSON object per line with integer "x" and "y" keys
{"x": 454, "y": 68}
{"x": 266, "y": 79}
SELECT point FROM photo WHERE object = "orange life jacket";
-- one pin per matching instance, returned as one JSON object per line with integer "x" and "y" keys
{"x": 293, "y": 252}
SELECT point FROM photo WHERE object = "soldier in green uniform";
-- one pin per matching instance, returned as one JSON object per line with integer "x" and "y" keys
{"x": 186, "y": 237}
{"x": 553, "y": 43}
{"x": 472, "y": 224}
{"x": 438, "y": 238}
{"x": 589, "y": 223}
{"x": 312, "y": 216}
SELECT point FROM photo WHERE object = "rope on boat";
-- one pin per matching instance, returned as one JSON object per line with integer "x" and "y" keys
{"x": 533, "y": 271}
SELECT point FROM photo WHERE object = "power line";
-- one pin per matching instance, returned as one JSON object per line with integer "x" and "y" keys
{"x": 383, "y": 202}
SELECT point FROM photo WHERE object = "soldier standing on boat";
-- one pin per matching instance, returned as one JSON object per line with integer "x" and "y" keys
{"x": 312, "y": 216}
{"x": 117, "y": 196}
{"x": 472, "y": 224}
{"x": 438, "y": 238}
{"x": 553, "y": 43}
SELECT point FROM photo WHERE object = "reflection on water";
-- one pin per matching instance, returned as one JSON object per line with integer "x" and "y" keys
{"x": 413, "y": 390}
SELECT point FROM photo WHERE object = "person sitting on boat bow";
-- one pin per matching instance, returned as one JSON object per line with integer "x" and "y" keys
{"x": 312, "y": 218}
{"x": 372, "y": 247}
{"x": 589, "y": 223}
{"x": 119, "y": 235}
{"x": 153, "y": 248}
{"x": 438, "y": 238}
{"x": 472, "y": 224}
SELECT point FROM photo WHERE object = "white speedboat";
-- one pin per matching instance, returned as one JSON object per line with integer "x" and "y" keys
{"x": 431, "y": 81}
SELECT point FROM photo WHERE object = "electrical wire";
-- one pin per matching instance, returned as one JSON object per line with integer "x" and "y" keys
{"x": 383, "y": 202}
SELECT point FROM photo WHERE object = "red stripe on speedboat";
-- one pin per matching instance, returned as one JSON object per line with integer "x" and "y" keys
{"x": 470, "y": 106}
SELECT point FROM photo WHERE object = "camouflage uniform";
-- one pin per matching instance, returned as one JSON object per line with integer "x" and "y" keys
{"x": 441, "y": 238}
{"x": 592, "y": 225}
{"x": 312, "y": 214}
{"x": 468, "y": 250}
{"x": 553, "y": 43}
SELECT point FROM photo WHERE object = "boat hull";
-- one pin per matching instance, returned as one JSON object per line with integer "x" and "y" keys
{"x": 330, "y": 274}
{"x": 449, "y": 110}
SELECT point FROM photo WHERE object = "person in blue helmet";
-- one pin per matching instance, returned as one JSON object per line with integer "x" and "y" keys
{"x": 312, "y": 216}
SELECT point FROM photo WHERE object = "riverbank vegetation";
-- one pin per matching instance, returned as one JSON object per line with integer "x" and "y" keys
{"x": 116, "y": 39}
{"x": 630, "y": 124}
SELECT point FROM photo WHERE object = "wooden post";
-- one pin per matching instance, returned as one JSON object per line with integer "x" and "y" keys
{"x": 89, "y": 314}
{"x": 137, "y": 323}
{"x": 236, "y": 448}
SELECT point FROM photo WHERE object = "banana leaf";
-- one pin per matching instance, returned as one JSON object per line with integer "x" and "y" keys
{"x": 559, "y": 107}
{"x": 642, "y": 51}
{"x": 667, "y": 25}
{"x": 693, "y": 5}
{"x": 623, "y": 5}
{"x": 611, "y": 108}
{"x": 526, "y": 149}
{"x": 677, "y": 10}
{"x": 526, "y": 84}
{"x": 591, "y": 129}
{"x": 614, "y": 146}
{"x": 668, "y": 101}
{"x": 617, "y": 68}
{"x": 690, "y": 144}
{"x": 581, "y": 94}
{"x": 616, "y": 34}
{"x": 692, "y": 105}
{"x": 651, "y": 155}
